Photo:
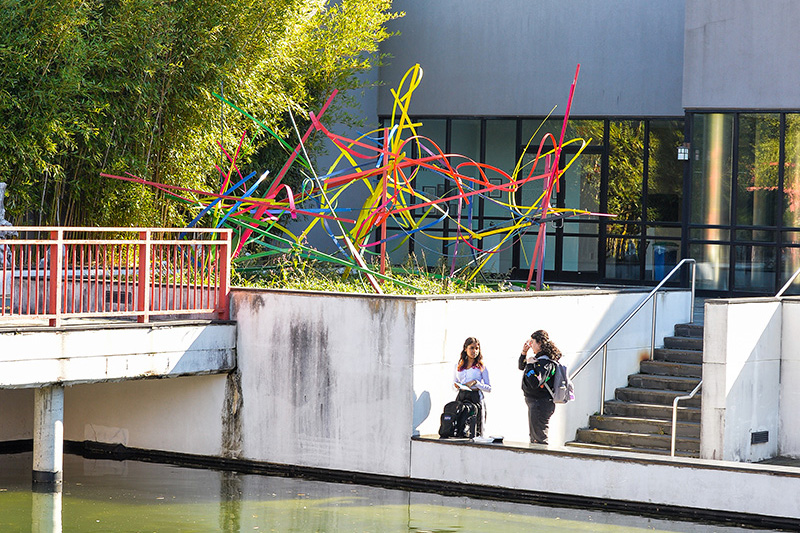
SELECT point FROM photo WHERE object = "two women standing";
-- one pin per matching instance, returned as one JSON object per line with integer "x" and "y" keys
{"x": 539, "y": 367}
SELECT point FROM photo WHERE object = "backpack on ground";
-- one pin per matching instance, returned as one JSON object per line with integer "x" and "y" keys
{"x": 459, "y": 419}
{"x": 562, "y": 391}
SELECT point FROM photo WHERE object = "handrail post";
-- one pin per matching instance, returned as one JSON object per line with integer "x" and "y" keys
{"x": 603, "y": 382}
{"x": 653, "y": 329}
{"x": 691, "y": 302}
{"x": 143, "y": 304}
{"x": 224, "y": 275}
{"x": 674, "y": 430}
{"x": 55, "y": 266}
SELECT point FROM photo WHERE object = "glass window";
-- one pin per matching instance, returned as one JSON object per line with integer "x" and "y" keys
{"x": 665, "y": 171}
{"x": 528, "y": 245}
{"x": 501, "y": 142}
{"x": 757, "y": 169}
{"x": 755, "y": 268}
{"x": 712, "y": 265}
{"x": 790, "y": 262}
{"x": 711, "y": 160}
{"x": 791, "y": 176}
{"x": 625, "y": 172}
{"x": 579, "y": 253}
{"x": 622, "y": 258}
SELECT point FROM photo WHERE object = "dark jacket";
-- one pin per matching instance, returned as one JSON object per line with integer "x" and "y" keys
{"x": 535, "y": 375}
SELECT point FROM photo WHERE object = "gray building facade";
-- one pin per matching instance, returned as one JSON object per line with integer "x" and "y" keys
{"x": 714, "y": 78}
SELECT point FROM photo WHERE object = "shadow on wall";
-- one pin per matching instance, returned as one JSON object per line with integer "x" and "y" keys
{"x": 422, "y": 408}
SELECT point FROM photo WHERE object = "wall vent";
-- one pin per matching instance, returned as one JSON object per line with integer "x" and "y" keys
{"x": 759, "y": 437}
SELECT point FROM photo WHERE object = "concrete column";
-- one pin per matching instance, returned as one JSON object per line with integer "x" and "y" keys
{"x": 48, "y": 436}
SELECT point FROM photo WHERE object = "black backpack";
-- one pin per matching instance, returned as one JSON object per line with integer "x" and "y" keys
{"x": 459, "y": 419}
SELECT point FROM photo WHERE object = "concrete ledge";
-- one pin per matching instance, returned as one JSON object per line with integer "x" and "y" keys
{"x": 91, "y": 353}
{"x": 699, "y": 487}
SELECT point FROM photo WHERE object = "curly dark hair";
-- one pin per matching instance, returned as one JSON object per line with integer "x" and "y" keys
{"x": 548, "y": 348}
{"x": 463, "y": 361}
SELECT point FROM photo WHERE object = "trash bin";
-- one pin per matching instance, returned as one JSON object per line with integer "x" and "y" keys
{"x": 665, "y": 257}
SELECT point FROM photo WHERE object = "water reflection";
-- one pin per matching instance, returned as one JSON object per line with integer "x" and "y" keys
{"x": 46, "y": 512}
{"x": 135, "y": 496}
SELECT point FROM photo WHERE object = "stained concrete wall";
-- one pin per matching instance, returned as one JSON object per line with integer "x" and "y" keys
{"x": 741, "y": 54}
{"x": 326, "y": 379}
{"x": 518, "y": 57}
{"x": 750, "y": 379}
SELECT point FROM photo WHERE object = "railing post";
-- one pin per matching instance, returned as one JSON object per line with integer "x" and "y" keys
{"x": 224, "y": 275}
{"x": 691, "y": 302}
{"x": 603, "y": 382}
{"x": 653, "y": 329}
{"x": 143, "y": 304}
{"x": 55, "y": 266}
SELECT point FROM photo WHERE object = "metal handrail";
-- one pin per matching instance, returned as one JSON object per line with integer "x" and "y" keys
{"x": 675, "y": 415}
{"x": 783, "y": 289}
{"x": 604, "y": 345}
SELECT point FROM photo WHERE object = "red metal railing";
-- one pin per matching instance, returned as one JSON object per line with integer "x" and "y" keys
{"x": 114, "y": 272}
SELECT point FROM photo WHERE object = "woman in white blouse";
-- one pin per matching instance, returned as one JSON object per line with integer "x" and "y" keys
{"x": 472, "y": 378}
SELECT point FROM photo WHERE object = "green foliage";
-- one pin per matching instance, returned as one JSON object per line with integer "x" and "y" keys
{"x": 121, "y": 86}
{"x": 292, "y": 272}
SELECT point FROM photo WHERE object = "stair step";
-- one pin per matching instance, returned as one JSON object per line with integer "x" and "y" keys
{"x": 644, "y": 425}
{"x": 689, "y": 330}
{"x": 655, "y": 396}
{"x": 678, "y": 356}
{"x": 684, "y": 343}
{"x": 637, "y": 440}
{"x": 650, "y": 410}
{"x": 654, "y": 451}
{"x": 671, "y": 368}
{"x": 674, "y": 383}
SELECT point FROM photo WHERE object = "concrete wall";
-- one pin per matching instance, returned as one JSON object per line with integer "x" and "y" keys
{"x": 750, "y": 379}
{"x": 576, "y": 321}
{"x": 88, "y": 352}
{"x": 757, "y": 489}
{"x": 789, "y": 428}
{"x": 741, "y": 54}
{"x": 518, "y": 57}
{"x": 326, "y": 379}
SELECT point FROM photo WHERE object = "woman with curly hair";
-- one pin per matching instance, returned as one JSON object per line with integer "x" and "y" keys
{"x": 538, "y": 370}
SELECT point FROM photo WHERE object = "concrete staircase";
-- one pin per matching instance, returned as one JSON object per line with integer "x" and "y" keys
{"x": 639, "y": 418}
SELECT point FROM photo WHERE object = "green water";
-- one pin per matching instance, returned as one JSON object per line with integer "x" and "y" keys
{"x": 100, "y": 495}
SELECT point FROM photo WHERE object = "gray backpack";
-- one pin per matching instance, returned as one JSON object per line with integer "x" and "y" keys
{"x": 562, "y": 391}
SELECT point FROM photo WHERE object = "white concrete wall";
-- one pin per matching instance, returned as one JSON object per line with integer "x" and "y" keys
{"x": 789, "y": 428}
{"x": 750, "y": 378}
{"x": 576, "y": 321}
{"x": 183, "y": 415}
{"x": 758, "y": 489}
{"x": 36, "y": 356}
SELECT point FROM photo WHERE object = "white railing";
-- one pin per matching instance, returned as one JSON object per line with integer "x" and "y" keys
{"x": 604, "y": 345}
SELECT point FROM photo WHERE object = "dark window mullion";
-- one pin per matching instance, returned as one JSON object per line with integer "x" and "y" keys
{"x": 779, "y": 202}
{"x": 734, "y": 214}
{"x": 645, "y": 185}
